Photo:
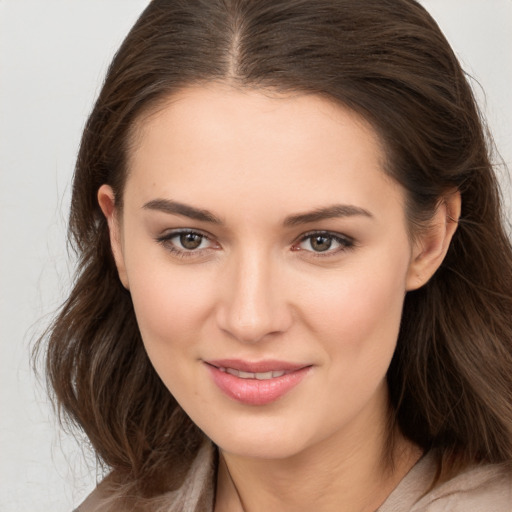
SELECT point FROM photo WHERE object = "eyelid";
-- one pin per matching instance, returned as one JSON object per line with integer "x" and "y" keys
{"x": 346, "y": 242}
{"x": 168, "y": 235}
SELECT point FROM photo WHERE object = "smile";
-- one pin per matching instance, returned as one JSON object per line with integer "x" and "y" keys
{"x": 250, "y": 375}
{"x": 256, "y": 383}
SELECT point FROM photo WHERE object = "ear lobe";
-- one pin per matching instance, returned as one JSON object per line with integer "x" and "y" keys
{"x": 106, "y": 200}
{"x": 431, "y": 246}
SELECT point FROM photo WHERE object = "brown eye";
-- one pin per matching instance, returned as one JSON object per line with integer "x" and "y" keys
{"x": 324, "y": 242}
{"x": 186, "y": 243}
{"x": 191, "y": 241}
{"x": 321, "y": 243}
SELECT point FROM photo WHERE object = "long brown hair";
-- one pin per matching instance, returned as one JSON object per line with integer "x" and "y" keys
{"x": 451, "y": 376}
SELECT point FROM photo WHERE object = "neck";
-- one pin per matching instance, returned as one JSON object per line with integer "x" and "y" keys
{"x": 350, "y": 472}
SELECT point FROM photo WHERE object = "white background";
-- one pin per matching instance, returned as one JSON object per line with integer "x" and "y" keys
{"x": 53, "y": 55}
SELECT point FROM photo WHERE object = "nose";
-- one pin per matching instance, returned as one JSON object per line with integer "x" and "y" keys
{"x": 253, "y": 305}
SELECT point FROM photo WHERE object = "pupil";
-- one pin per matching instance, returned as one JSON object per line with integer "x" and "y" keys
{"x": 321, "y": 243}
{"x": 190, "y": 240}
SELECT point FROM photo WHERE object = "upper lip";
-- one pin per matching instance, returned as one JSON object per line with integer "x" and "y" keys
{"x": 268, "y": 365}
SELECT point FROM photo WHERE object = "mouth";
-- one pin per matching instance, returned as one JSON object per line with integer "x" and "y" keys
{"x": 253, "y": 375}
{"x": 256, "y": 383}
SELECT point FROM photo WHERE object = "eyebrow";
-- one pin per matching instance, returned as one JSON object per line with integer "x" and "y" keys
{"x": 175, "y": 208}
{"x": 329, "y": 212}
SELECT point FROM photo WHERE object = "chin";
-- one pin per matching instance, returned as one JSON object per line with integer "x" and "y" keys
{"x": 259, "y": 449}
{"x": 261, "y": 440}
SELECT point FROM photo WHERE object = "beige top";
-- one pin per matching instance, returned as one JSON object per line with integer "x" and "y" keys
{"x": 478, "y": 489}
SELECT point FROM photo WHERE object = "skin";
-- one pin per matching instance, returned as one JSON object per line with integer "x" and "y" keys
{"x": 258, "y": 288}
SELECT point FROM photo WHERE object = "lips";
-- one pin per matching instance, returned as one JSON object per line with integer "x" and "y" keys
{"x": 257, "y": 383}
{"x": 251, "y": 375}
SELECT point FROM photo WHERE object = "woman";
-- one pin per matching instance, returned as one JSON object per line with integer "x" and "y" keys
{"x": 294, "y": 288}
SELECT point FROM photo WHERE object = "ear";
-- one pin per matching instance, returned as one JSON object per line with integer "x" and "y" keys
{"x": 431, "y": 246}
{"x": 107, "y": 202}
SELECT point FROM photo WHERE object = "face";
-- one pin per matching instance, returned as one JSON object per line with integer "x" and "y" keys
{"x": 267, "y": 256}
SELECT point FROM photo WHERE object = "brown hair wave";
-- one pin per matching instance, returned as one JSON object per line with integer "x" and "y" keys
{"x": 451, "y": 376}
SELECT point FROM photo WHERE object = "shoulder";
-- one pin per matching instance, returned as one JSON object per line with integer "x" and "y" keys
{"x": 485, "y": 488}
{"x": 195, "y": 494}
{"x": 478, "y": 489}
{"x": 93, "y": 501}
{"x": 100, "y": 499}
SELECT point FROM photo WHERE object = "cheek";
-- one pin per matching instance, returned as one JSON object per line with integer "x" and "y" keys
{"x": 357, "y": 321}
{"x": 172, "y": 305}
{"x": 166, "y": 303}
{"x": 359, "y": 308}
{"x": 172, "y": 312}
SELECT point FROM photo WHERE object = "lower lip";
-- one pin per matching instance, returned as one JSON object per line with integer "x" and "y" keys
{"x": 254, "y": 391}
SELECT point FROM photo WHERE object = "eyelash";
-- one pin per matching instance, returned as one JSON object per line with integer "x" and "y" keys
{"x": 345, "y": 243}
{"x": 166, "y": 241}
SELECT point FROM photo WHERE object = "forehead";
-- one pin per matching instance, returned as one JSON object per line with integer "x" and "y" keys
{"x": 213, "y": 109}
{"x": 219, "y": 143}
